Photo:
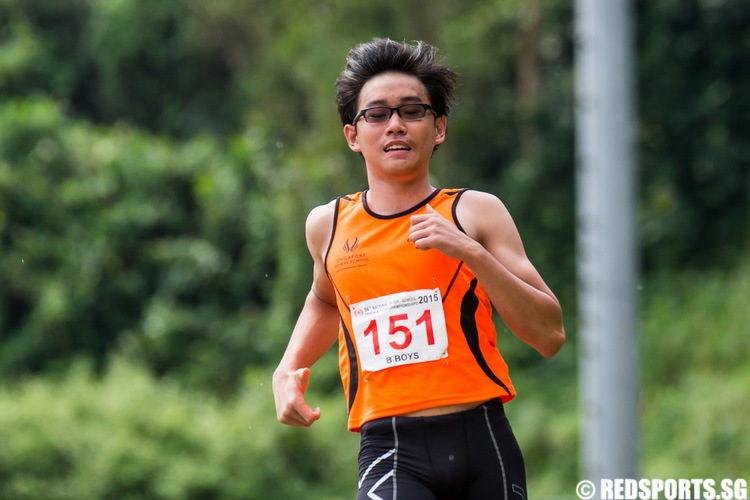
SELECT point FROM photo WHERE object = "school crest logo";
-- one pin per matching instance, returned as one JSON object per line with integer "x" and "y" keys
{"x": 348, "y": 248}
{"x": 352, "y": 256}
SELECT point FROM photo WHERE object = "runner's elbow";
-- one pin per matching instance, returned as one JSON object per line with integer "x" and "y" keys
{"x": 553, "y": 343}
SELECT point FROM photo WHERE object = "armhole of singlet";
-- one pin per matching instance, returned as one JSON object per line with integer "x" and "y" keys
{"x": 333, "y": 233}
{"x": 454, "y": 210}
{"x": 458, "y": 225}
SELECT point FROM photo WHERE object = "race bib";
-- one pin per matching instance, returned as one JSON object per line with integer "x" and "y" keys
{"x": 400, "y": 329}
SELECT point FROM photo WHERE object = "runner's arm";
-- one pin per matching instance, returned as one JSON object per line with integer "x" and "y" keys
{"x": 522, "y": 298}
{"x": 492, "y": 248}
{"x": 314, "y": 333}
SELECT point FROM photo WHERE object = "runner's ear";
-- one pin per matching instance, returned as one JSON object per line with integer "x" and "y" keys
{"x": 350, "y": 132}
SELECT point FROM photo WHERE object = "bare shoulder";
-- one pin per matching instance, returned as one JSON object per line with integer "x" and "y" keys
{"x": 495, "y": 230}
{"x": 319, "y": 226}
{"x": 482, "y": 200}
{"x": 484, "y": 215}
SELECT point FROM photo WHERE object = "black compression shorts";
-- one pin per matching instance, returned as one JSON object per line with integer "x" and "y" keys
{"x": 470, "y": 455}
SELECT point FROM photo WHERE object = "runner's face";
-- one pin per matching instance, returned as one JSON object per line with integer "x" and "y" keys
{"x": 397, "y": 145}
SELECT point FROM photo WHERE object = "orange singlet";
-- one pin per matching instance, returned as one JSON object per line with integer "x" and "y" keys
{"x": 416, "y": 327}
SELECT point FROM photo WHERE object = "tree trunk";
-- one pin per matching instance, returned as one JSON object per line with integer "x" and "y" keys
{"x": 527, "y": 71}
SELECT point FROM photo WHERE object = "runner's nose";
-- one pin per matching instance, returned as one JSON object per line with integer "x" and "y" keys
{"x": 396, "y": 124}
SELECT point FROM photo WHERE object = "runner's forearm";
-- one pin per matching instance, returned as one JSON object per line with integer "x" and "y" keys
{"x": 315, "y": 332}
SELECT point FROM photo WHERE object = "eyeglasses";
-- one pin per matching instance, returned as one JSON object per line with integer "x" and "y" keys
{"x": 381, "y": 114}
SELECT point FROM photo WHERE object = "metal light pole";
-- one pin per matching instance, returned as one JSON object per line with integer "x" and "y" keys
{"x": 607, "y": 243}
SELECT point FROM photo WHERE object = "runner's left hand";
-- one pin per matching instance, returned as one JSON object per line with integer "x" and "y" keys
{"x": 433, "y": 231}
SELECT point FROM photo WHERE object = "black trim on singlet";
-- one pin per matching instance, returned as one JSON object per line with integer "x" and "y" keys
{"x": 400, "y": 214}
{"x": 351, "y": 351}
{"x": 457, "y": 194}
{"x": 333, "y": 232}
{"x": 453, "y": 280}
{"x": 454, "y": 209}
{"x": 341, "y": 297}
{"x": 353, "y": 365}
{"x": 469, "y": 306}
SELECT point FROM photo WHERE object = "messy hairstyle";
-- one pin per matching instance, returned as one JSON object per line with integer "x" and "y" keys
{"x": 382, "y": 55}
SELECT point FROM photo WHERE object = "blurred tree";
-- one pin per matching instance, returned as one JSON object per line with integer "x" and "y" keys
{"x": 527, "y": 71}
{"x": 120, "y": 240}
{"x": 695, "y": 144}
{"x": 133, "y": 60}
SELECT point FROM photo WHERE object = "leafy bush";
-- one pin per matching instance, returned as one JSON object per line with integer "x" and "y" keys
{"x": 128, "y": 436}
{"x": 116, "y": 240}
{"x": 695, "y": 374}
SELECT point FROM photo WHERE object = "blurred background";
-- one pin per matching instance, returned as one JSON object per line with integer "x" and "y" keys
{"x": 158, "y": 160}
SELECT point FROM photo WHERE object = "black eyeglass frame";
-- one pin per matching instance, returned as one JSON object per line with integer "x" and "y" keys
{"x": 397, "y": 109}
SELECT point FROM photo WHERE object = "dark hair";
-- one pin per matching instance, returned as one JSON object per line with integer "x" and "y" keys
{"x": 382, "y": 55}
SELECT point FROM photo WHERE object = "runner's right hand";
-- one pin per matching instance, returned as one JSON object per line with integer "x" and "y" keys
{"x": 289, "y": 394}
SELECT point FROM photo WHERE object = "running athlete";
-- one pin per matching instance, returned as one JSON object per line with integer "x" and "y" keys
{"x": 405, "y": 277}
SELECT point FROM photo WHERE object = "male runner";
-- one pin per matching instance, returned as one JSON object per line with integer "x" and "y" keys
{"x": 405, "y": 276}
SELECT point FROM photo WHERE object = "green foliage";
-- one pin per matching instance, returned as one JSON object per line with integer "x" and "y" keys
{"x": 118, "y": 240}
{"x": 137, "y": 61}
{"x": 694, "y": 142}
{"x": 695, "y": 373}
{"x": 128, "y": 436}
{"x": 709, "y": 311}
{"x": 695, "y": 388}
